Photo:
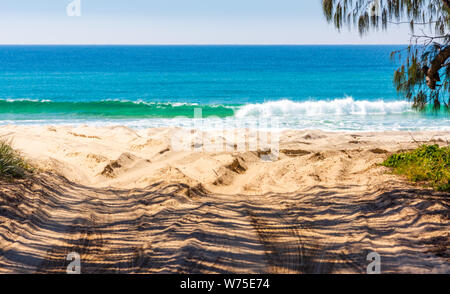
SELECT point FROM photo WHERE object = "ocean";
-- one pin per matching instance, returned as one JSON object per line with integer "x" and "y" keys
{"x": 333, "y": 88}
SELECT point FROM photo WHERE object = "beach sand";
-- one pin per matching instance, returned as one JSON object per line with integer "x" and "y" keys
{"x": 127, "y": 202}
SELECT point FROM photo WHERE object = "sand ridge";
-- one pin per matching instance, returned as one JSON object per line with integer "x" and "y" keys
{"x": 126, "y": 158}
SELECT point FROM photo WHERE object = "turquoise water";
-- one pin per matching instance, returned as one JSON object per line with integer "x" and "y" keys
{"x": 303, "y": 87}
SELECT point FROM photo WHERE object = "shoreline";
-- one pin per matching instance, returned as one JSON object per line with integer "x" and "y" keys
{"x": 345, "y": 114}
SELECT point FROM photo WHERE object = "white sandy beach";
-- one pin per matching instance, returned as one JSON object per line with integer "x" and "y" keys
{"x": 128, "y": 202}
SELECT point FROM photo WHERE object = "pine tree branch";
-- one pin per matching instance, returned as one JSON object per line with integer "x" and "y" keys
{"x": 446, "y": 3}
{"x": 432, "y": 73}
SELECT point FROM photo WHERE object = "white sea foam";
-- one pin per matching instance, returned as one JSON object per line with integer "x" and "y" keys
{"x": 344, "y": 114}
{"x": 346, "y": 106}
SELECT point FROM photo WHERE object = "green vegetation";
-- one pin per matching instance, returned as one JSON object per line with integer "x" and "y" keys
{"x": 428, "y": 163}
{"x": 423, "y": 76}
{"x": 12, "y": 165}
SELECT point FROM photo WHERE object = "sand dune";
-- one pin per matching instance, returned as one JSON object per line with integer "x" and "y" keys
{"x": 127, "y": 202}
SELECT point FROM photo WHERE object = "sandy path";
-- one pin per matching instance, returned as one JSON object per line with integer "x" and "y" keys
{"x": 177, "y": 229}
{"x": 330, "y": 206}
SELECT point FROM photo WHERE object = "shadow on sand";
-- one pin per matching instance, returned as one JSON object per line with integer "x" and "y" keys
{"x": 174, "y": 228}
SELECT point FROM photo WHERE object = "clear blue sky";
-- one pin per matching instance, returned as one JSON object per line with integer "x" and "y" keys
{"x": 177, "y": 22}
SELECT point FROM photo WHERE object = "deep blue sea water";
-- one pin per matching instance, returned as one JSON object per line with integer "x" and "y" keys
{"x": 304, "y": 87}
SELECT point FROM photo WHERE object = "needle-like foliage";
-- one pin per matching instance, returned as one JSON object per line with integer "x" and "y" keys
{"x": 424, "y": 76}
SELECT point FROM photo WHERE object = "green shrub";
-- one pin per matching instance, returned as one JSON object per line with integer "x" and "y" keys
{"x": 12, "y": 165}
{"x": 428, "y": 163}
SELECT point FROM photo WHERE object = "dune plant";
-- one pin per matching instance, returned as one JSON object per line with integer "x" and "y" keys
{"x": 428, "y": 163}
{"x": 12, "y": 164}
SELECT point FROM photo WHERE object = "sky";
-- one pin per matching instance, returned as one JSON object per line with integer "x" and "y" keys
{"x": 177, "y": 22}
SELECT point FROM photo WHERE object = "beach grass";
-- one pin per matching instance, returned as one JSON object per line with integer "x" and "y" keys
{"x": 428, "y": 163}
{"x": 12, "y": 164}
